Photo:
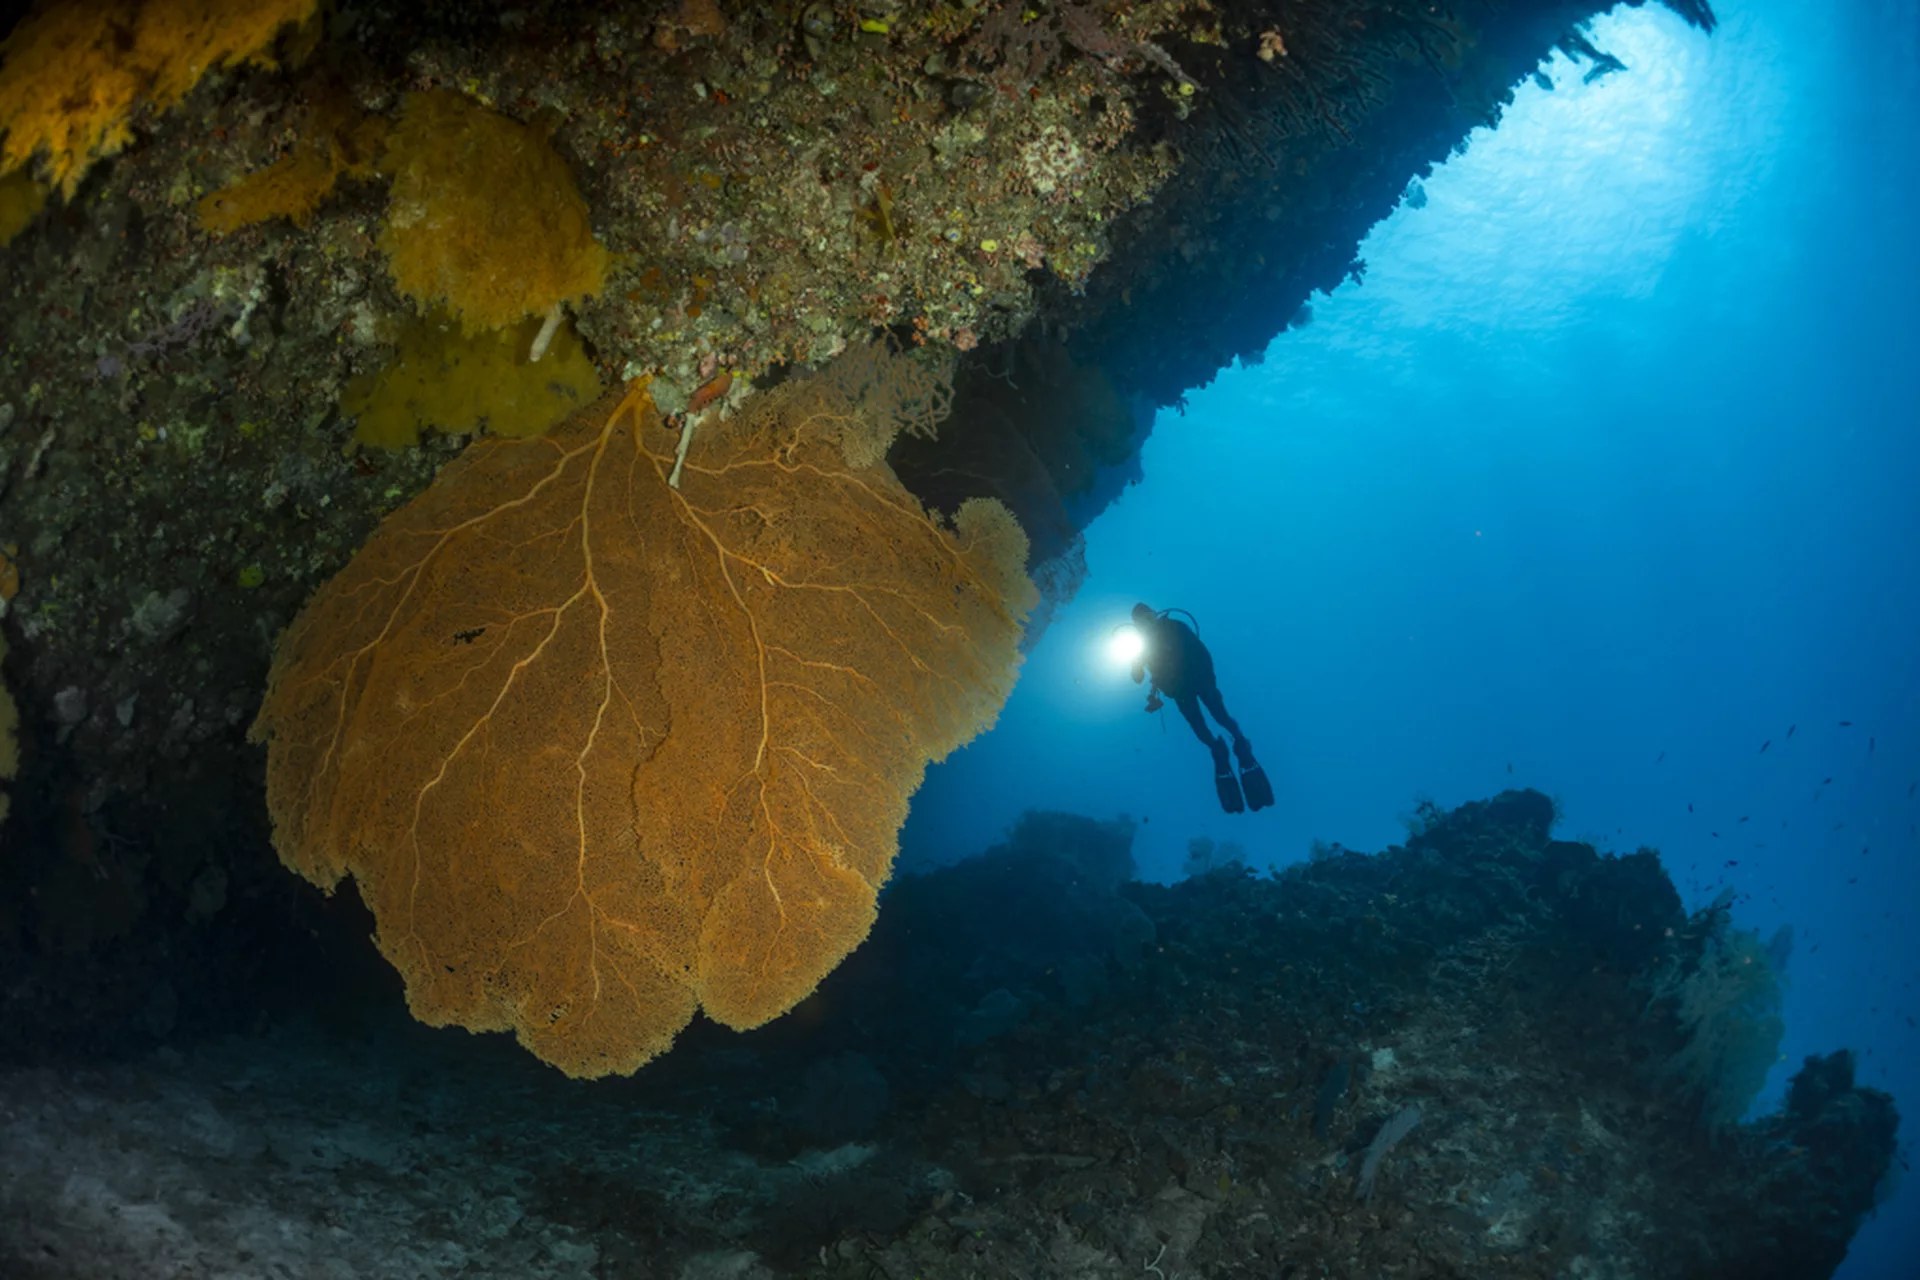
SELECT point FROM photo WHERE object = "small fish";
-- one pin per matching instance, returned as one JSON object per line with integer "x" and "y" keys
{"x": 1853, "y": 879}
{"x": 1743, "y": 817}
{"x": 1826, "y": 782}
{"x": 1791, "y": 728}
{"x": 1870, "y": 744}
{"x": 1714, "y": 834}
{"x": 1765, "y": 745}
{"x": 1661, "y": 758}
{"x": 1733, "y": 862}
{"x": 1689, "y": 806}
{"x": 1864, "y": 848}
{"x": 1911, "y": 788}
{"x": 1509, "y": 766}
{"x": 1846, "y": 724}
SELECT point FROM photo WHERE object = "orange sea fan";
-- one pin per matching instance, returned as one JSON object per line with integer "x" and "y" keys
{"x": 600, "y": 752}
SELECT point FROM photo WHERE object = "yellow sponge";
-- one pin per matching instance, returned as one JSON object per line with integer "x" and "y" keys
{"x": 443, "y": 379}
{"x": 485, "y": 218}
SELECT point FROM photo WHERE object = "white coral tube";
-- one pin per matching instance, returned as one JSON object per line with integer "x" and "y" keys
{"x": 544, "y": 339}
{"x": 680, "y": 452}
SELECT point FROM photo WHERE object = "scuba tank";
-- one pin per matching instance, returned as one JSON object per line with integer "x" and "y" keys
{"x": 1191, "y": 620}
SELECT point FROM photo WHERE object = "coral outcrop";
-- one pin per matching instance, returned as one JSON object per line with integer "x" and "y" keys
{"x": 1034, "y": 1068}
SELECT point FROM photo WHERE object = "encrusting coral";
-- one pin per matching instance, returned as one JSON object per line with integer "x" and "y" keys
{"x": 601, "y": 752}
{"x": 72, "y": 75}
{"x": 485, "y": 218}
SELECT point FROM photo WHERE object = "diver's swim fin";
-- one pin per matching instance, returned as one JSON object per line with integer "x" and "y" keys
{"x": 1253, "y": 779}
{"x": 1224, "y": 782}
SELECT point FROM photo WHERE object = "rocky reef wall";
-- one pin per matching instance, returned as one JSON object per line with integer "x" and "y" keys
{"x": 1075, "y": 211}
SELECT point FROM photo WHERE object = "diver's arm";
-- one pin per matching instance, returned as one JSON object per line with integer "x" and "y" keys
{"x": 1139, "y": 672}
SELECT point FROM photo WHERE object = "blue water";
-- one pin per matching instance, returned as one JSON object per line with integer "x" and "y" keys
{"x": 1607, "y": 474}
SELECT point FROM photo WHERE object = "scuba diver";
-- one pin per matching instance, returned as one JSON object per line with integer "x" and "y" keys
{"x": 1183, "y": 670}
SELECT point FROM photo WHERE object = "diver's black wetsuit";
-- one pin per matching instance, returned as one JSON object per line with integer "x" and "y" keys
{"x": 1183, "y": 670}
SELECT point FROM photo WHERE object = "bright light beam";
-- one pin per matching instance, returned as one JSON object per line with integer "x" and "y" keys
{"x": 1126, "y": 646}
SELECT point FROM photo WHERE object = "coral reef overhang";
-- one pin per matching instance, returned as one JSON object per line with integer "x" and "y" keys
{"x": 178, "y": 477}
